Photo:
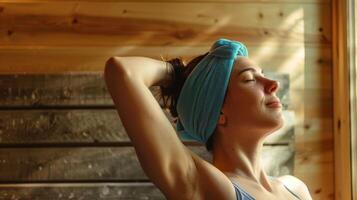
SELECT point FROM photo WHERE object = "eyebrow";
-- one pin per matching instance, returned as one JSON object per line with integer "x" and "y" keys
{"x": 248, "y": 69}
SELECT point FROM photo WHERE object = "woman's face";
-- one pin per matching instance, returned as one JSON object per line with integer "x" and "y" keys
{"x": 249, "y": 98}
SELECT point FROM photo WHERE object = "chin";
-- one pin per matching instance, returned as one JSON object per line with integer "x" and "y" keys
{"x": 278, "y": 123}
{"x": 274, "y": 124}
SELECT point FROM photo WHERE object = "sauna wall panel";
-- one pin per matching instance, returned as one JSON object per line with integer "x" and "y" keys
{"x": 283, "y": 36}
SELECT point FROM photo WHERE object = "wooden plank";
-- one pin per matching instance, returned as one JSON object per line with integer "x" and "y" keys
{"x": 61, "y": 126}
{"x": 314, "y": 165}
{"x": 87, "y": 89}
{"x": 109, "y": 164}
{"x": 200, "y": 1}
{"x": 315, "y": 129}
{"x": 74, "y": 164}
{"x": 314, "y": 156}
{"x": 77, "y": 127}
{"x": 284, "y": 165}
{"x": 74, "y": 89}
{"x": 310, "y": 64}
{"x": 341, "y": 52}
{"x": 161, "y": 24}
{"x": 323, "y": 110}
{"x": 352, "y": 56}
{"x": 280, "y": 58}
{"x": 81, "y": 191}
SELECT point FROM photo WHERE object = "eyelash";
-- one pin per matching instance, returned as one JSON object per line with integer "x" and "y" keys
{"x": 249, "y": 80}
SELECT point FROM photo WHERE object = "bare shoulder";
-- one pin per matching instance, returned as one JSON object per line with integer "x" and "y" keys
{"x": 296, "y": 185}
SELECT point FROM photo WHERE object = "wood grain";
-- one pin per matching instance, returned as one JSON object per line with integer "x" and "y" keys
{"x": 86, "y": 127}
{"x": 283, "y": 36}
{"x": 276, "y": 57}
{"x": 160, "y": 24}
{"x": 76, "y": 89}
{"x": 98, "y": 164}
{"x": 200, "y": 1}
{"x": 81, "y": 191}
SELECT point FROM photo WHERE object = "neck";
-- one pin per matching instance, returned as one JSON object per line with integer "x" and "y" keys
{"x": 240, "y": 158}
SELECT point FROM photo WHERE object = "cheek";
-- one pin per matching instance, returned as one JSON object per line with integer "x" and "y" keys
{"x": 249, "y": 98}
{"x": 245, "y": 98}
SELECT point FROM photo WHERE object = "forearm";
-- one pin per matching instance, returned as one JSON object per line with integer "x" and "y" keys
{"x": 151, "y": 71}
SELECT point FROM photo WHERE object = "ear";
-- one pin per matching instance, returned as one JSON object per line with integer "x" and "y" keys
{"x": 222, "y": 119}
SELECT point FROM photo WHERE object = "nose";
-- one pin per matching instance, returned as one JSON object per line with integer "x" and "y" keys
{"x": 272, "y": 86}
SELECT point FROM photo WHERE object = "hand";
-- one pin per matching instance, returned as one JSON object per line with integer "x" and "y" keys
{"x": 169, "y": 78}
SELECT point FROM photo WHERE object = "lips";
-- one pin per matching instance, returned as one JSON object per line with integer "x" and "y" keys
{"x": 274, "y": 104}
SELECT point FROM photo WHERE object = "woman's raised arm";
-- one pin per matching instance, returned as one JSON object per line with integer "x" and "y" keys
{"x": 164, "y": 158}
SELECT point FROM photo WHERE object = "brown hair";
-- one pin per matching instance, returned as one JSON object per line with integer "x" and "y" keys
{"x": 171, "y": 93}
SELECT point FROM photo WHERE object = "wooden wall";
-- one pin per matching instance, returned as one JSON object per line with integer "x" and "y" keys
{"x": 61, "y": 136}
{"x": 70, "y": 144}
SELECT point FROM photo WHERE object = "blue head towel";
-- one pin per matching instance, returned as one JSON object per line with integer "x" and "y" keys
{"x": 202, "y": 95}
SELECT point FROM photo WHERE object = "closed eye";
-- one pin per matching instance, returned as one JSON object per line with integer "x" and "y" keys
{"x": 249, "y": 80}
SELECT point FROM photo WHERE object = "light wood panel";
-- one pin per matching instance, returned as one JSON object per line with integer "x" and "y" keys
{"x": 315, "y": 169}
{"x": 284, "y": 58}
{"x": 201, "y": 1}
{"x": 353, "y": 94}
{"x": 160, "y": 24}
{"x": 284, "y": 36}
{"x": 341, "y": 106}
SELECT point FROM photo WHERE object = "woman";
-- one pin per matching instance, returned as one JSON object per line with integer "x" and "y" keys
{"x": 221, "y": 99}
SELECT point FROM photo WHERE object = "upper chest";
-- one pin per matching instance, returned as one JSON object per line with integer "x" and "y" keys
{"x": 278, "y": 191}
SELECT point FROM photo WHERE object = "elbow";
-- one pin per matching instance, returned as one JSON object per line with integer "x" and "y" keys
{"x": 111, "y": 64}
{"x": 113, "y": 61}
{"x": 113, "y": 67}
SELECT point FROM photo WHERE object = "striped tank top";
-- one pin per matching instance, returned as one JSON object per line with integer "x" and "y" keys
{"x": 243, "y": 195}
